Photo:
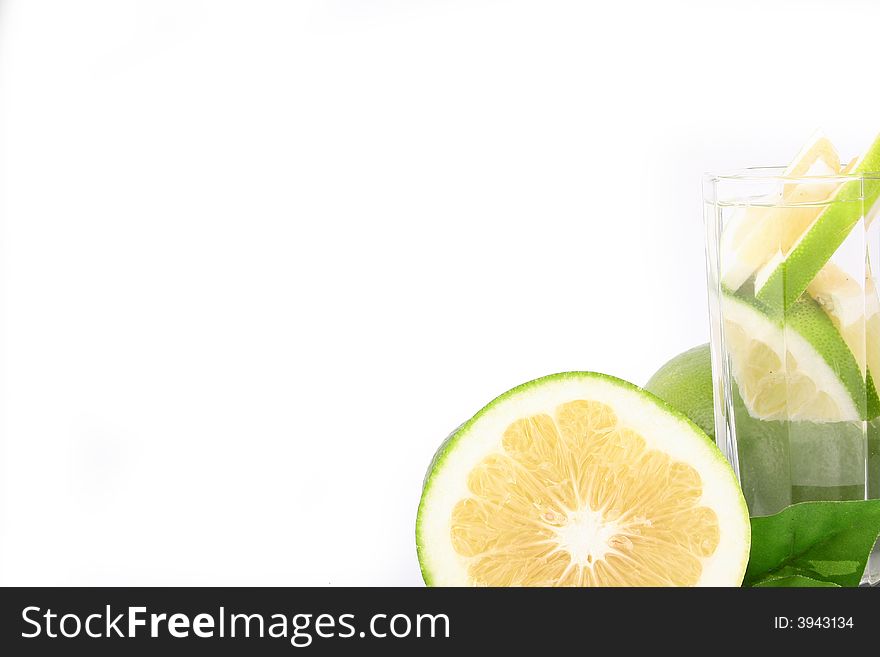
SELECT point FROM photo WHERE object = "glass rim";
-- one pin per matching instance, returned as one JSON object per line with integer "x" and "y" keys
{"x": 769, "y": 174}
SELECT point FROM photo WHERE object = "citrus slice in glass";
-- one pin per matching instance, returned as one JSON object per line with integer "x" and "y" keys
{"x": 755, "y": 234}
{"x": 784, "y": 278}
{"x": 802, "y": 370}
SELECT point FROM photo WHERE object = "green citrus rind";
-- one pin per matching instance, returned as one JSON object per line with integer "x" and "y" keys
{"x": 685, "y": 383}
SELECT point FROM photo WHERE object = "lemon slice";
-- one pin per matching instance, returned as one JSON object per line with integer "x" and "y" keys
{"x": 803, "y": 370}
{"x": 581, "y": 479}
{"x": 755, "y": 234}
{"x": 855, "y": 312}
{"x": 843, "y": 299}
{"x": 786, "y": 275}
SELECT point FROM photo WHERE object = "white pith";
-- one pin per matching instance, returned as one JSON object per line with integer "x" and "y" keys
{"x": 586, "y": 536}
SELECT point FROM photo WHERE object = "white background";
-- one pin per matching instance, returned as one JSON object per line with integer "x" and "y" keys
{"x": 259, "y": 258}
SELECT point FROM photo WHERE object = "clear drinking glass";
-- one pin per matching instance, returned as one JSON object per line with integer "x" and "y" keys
{"x": 793, "y": 269}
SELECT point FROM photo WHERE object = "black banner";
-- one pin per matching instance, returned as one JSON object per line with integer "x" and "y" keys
{"x": 339, "y": 621}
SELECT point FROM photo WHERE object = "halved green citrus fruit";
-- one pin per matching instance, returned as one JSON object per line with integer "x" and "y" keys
{"x": 581, "y": 479}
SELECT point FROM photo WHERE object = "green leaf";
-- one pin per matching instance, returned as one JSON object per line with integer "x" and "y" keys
{"x": 794, "y": 581}
{"x": 826, "y": 542}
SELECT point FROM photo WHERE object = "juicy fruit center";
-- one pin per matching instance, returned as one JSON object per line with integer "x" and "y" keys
{"x": 577, "y": 499}
{"x": 586, "y": 536}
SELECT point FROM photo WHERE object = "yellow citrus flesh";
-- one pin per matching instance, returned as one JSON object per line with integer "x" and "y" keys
{"x": 576, "y": 499}
{"x": 773, "y": 385}
{"x": 815, "y": 154}
{"x": 760, "y": 236}
{"x": 845, "y": 303}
